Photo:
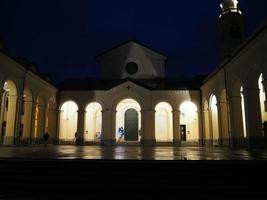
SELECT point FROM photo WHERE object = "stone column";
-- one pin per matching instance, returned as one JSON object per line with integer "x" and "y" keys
{"x": 108, "y": 127}
{"x": 11, "y": 120}
{"x": 223, "y": 125}
{"x": 58, "y": 125}
{"x": 220, "y": 124}
{"x": 237, "y": 131}
{"x": 256, "y": 138}
{"x": 41, "y": 122}
{"x": 148, "y": 118}
{"x": 176, "y": 128}
{"x": 2, "y": 91}
{"x": 52, "y": 124}
{"x": 27, "y": 120}
{"x": 80, "y": 127}
{"x": 207, "y": 130}
{"x": 264, "y": 83}
{"x": 32, "y": 139}
{"x": 200, "y": 129}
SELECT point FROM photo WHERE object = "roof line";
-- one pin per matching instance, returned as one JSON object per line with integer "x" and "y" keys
{"x": 237, "y": 51}
{"x": 28, "y": 69}
{"x": 126, "y": 42}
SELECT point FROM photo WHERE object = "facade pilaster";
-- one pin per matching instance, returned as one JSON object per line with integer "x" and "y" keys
{"x": 108, "y": 127}
{"x": 80, "y": 127}
{"x": 176, "y": 128}
{"x": 148, "y": 124}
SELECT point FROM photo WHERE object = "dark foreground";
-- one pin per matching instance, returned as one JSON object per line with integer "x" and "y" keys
{"x": 93, "y": 179}
{"x": 131, "y": 173}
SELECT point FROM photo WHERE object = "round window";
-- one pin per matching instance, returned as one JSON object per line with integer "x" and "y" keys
{"x": 131, "y": 68}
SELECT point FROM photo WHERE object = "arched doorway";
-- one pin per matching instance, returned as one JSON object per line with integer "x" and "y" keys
{"x": 163, "y": 122}
{"x": 214, "y": 120}
{"x": 8, "y": 115}
{"x": 68, "y": 121}
{"x": 131, "y": 125}
{"x": 189, "y": 122}
{"x": 93, "y": 122}
{"x": 128, "y": 124}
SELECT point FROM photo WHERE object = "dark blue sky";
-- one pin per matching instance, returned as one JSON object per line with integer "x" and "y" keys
{"x": 63, "y": 37}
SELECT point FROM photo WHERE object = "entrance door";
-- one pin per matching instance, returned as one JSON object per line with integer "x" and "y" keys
{"x": 131, "y": 125}
{"x": 183, "y": 132}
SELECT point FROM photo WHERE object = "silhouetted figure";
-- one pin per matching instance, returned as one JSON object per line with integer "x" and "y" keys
{"x": 122, "y": 133}
{"x": 46, "y": 137}
{"x": 75, "y": 137}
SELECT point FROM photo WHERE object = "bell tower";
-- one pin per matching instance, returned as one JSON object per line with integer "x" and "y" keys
{"x": 231, "y": 27}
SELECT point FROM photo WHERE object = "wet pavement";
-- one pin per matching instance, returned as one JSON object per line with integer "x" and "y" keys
{"x": 129, "y": 153}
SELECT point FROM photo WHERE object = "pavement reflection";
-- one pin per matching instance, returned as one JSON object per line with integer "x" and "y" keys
{"x": 129, "y": 153}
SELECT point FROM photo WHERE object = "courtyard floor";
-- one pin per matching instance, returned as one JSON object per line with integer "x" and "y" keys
{"x": 128, "y": 153}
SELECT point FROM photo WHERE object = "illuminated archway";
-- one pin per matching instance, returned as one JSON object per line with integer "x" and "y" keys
{"x": 132, "y": 109}
{"x": 189, "y": 121}
{"x": 68, "y": 121}
{"x": 214, "y": 119}
{"x": 243, "y": 113}
{"x": 9, "y": 106}
{"x": 93, "y": 122}
{"x": 262, "y": 97}
{"x": 163, "y": 123}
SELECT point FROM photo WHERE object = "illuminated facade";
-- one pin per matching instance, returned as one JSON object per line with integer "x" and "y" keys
{"x": 133, "y": 102}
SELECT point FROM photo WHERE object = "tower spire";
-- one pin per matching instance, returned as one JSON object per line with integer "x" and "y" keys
{"x": 229, "y": 6}
{"x": 231, "y": 25}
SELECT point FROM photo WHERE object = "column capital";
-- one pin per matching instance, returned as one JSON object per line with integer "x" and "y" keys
{"x": 176, "y": 110}
{"x": 81, "y": 111}
{"x": 148, "y": 110}
{"x": 235, "y": 97}
{"x": 108, "y": 110}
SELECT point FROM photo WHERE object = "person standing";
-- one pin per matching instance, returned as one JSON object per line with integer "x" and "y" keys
{"x": 46, "y": 138}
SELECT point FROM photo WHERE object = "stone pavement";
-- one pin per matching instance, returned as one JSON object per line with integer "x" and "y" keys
{"x": 128, "y": 153}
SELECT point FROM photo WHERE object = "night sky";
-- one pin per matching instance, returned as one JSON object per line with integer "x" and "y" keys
{"x": 63, "y": 37}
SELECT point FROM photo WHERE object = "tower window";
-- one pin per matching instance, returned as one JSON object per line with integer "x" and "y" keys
{"x": 235, "y": 32}
{"x": 222, "y": 36}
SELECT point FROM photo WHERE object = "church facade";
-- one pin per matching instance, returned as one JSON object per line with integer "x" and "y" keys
{"x": 134, "y": 103}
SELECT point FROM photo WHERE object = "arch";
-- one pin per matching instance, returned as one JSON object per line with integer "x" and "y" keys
{"x": 189, "y": 121}
{"x": 8, "y": 111}
{"x": 163, "y": 122}
{"x": 130, "y": 95}
{"x": 93, "y": 122}
{"x": 68, "y": 121}
{"x": 262, "y": 97}
{"x": 121, "y": 109}
{"x": 214, "y": 119}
